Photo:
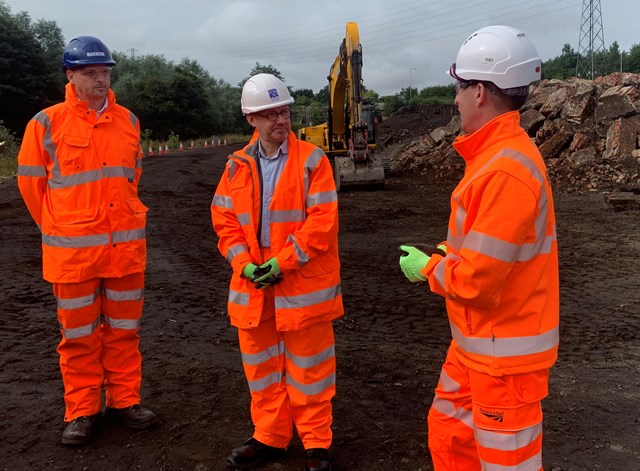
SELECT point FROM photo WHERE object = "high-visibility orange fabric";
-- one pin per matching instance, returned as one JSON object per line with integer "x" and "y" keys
{"x": 478, "y": 421}
{"x": 304, "y": 236}
{"x": 291, "y": 377}
{"x": 78, "y": 175}
{"x": 99, "y": 321}
{"x": 500, "y": 274}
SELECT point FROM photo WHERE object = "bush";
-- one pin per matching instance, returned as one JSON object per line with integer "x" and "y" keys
{"x": 8, "y": 153}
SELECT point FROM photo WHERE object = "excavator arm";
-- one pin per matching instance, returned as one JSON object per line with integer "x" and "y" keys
{"x": 345, "y": 136}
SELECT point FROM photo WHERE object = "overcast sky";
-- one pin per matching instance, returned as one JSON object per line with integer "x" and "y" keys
{"x": 404, "y": 42}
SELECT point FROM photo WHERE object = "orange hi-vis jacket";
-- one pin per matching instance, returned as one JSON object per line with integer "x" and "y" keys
{"x": 78, "y": 175}
{"x": 303, "y": 230}
{"x": 500, "y": 274}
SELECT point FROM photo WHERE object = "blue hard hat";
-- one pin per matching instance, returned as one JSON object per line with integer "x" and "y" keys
{"x": 86, "y": 50}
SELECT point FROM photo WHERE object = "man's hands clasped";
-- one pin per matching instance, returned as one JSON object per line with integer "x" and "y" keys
{"x": 265, "y": 275}
{"x": 416, "y": 257}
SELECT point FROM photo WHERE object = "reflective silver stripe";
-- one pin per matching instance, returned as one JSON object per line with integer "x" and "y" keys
{"x": 302, "y": 257}
{"x": 83, "y": 331}
{"x": 244, "y": 219}
{"x": 265, "y": 355}
{"x": 439, "y": 271}
{"x": 507, "y": 346}
{"x": 447, "y": 408}
{"x": 233, "y": 168}
{"x": 235, "y": 250}
{"x": 508, "y": 441}
{"x": 118, "y": 171}
{"x": 307, "y": 299}
{"x": 124, "y": 324}
{"x": 506, "y": 251}
{"x": 75, "y": 241}
{"x": 75, "y": 179}
{"x": 447, "y": 383}
{"x": 292, "y": 215}
{"x": 313, "y": 360}
{"x": 128, "y": 236}
{"x": 133, "y": 119}
{"x": 48, "y": 144}
{"x": 138, "y": 163}
{"x": 532, "y": 464}
{"x": 236, "y": 297}
{"x": 79, "y": 302}
{"x": 32, "y": 171}
{"x": 321, "y": 198}
{"x": 313, "y": 388}
{"x": 220, "y": 201}
{"x": 129, "y": 295}
{"x": 309, "y": 166}
{"x": 260, "y": 384}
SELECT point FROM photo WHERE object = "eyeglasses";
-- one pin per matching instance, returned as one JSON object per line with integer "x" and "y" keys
{"x": 273, "y": 115}
{"x": 94, "y": 73}
{"x": 462, "y": 84}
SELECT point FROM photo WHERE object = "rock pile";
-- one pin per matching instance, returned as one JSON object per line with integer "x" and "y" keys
{"x": 588, "y": 133}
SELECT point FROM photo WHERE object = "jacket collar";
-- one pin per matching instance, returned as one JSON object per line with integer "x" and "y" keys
{"x": 82, "y": 107}
{"x": 504, "y": 126}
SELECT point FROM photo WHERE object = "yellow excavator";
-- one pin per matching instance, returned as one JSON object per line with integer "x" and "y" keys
{"x": 348, "y": 136}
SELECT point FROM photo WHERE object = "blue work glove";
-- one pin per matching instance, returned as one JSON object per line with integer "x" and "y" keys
{"x": 416, "y": 257}
{"x": 268, "y": 269}
{"x": 249, "y": 269}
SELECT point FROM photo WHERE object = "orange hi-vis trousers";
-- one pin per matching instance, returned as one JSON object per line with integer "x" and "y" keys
{"x": 483, "y": 422}
{"x": 291, "y": 378}
{"x": 99, "y": 321}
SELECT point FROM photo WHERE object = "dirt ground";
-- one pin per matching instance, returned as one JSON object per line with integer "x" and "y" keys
{"x": 390, "y": 343}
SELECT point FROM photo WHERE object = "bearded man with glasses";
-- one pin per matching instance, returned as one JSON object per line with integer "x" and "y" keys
{"x": 275, "y": 212}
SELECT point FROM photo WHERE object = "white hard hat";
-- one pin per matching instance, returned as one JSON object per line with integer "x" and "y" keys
{"x": 262, "y": 92}
{"x": 499, "y": 54}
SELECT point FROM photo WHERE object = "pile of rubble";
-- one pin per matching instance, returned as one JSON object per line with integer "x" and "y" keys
{"x": 588, "y": 133}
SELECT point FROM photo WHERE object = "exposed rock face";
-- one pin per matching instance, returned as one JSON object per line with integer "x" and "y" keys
{"x": 588, "y": 133}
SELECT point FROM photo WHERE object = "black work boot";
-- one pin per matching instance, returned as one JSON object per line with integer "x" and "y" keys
{"x": 318, "y": 459}
{"x": 136, "y": 417}
{"x": 253, "y": 453}
{"x": 80, "y": 430}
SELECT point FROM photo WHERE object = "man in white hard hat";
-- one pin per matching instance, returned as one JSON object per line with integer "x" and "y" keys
{"x": 275, "y": 212}
{"x": 497, "y": 270}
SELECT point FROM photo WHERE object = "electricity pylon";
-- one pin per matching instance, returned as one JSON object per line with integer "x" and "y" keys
{"x": 591, "y": 40}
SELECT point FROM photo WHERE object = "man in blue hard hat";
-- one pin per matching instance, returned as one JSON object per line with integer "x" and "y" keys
{"x": 79, "y": 168}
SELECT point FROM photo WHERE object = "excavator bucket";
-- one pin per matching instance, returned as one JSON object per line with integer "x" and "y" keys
{"x": 351, "y": 174}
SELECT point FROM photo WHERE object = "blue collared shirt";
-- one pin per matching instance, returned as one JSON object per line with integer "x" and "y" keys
{"x": 270, "y": 171}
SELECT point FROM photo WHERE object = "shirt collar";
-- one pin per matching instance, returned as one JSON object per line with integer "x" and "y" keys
{"x": 104, "y": 107}
{"x": 283, "y": 149}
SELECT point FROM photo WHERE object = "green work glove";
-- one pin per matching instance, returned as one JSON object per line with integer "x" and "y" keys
{"x": 248, "y": 270}
{"x": 266, "y": 270}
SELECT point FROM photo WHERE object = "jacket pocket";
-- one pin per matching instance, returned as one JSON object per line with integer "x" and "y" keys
{"x": 136, "y": 206}
{"x": 139, "y": 212}
{"x": 79, "y": 216}
{"x": 74, "y": 154}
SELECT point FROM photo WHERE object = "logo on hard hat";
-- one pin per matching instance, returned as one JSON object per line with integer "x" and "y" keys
{"x": 273, "y": 94}
{"x": 92, "y": 54}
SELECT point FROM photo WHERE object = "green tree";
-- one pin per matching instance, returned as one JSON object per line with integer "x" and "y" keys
{"x": 28, "y": 80}
{"x": 632, "y": 60}
{"x": 262, "y": 69}
{"x": 561, "y": 67}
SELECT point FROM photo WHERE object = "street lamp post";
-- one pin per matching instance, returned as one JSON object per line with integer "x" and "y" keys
{"x": 410, "y": 71}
